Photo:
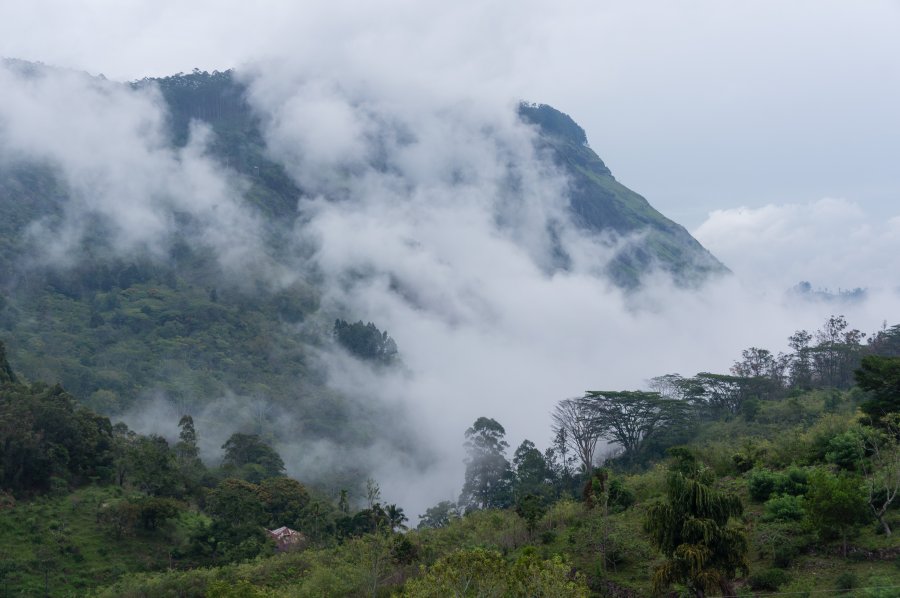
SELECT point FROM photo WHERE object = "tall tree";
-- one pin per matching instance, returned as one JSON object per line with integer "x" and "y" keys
{"x": 691, "y": 528}
{"x": 186, "y": 450}
{"x": 252, "y": 457}
{"x": 836, "y": 503}
{"x": 532, "y": 475}
{"x": 881, "y": 377}
{"x": 573, "y": 425}
{"x": 488, "y": 474}
{"x": 6, "y": 373}
{"x": 801, "y": 362}
{"x": 837, "y": 353}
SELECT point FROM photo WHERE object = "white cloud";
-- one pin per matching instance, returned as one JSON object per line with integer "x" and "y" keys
{"x": 110, "y": 146}
{"x": 832, "y": 243}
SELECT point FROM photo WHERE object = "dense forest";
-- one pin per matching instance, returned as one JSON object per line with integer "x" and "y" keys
{"x": 780, "y": 476}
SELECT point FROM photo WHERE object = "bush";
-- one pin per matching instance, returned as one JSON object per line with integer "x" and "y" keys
{"x": 794, "y": 481}
{"x": 761, "y": 483}
{"x": 784, "y": 554}
{"x": 784, "y": 508}
{"x": 770, "y": 579}
{"x": 845, "y": 450}
{"x": 846, "y": 581}
{"x": 620, "y": 496}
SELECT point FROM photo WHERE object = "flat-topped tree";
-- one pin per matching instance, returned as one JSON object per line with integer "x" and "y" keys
{"x": 630, "y": 417}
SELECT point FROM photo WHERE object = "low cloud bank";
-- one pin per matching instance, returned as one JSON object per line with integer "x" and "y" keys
{"x": 832, "y": 243}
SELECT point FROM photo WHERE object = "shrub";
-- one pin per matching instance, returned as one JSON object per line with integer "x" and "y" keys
{"x": 784, "y": 554}
{"x": 761, "y": 483}
{"x": 620, "y": 496}
{"x": 784, "y": 508}
{"x": 770, "y": 579}
{"x": 846, "y": 581}
{"x": 845, "y": 450}
{"x": 794, "y": 481}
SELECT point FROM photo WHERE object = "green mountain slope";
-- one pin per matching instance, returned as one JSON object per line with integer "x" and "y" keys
{"x": 601, "y": 204}
{"x": 115, "y": 328}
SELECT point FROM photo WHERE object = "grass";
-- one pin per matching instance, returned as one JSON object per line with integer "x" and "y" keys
{"x": 56, "y": 543}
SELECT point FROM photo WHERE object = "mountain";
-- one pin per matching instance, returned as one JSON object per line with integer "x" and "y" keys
{"x": 148, "y": 328}
{"x": 601, "y": 204}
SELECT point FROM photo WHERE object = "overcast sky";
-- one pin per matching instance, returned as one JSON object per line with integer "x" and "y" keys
{"x": 698, "y": 105}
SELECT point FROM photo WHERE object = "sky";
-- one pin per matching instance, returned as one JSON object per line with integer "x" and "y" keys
{"x": 698, "y": 105}
{"x": 769, "y": 130}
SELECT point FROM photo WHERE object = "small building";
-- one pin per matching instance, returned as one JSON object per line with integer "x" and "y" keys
{"x": 287, "y": 538}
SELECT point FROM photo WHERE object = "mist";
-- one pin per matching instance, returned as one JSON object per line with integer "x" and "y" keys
{"x": 429, "y": 211}
{"x": 415, "y": 228}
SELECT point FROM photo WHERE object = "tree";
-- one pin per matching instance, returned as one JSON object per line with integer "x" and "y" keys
{"x": 187, "y": 454}
{"x": 531, "y": 508}
{"x": 835, "y": 503}
{"x": 573, "y": 425}
{"x": 881, "y": 377}
{"x": 837, "y": 353}
{"x": 488, "y": 474}
{"x": 153, "y": 466}
{"x": 628, "y": 418}
{"x": 238, "y": 512}
{"x": 800, "y": 364}
{"x": 764, "y": 371}
{"x": 186, "y": 448}
{"x": 396, "y": 518}
{"x": 285, "y": 501}
{"x": 718, "y": 392}
{"x": 881, "y": 471}
{"x": 366, "y": 341}
{"x": 886, "y": 342}
{"x": 252, "y": 457}
{"x": 6, "y": 374}
{"x": 691, "y": 528}
{"x": 532, "y": 475}
{"x": 440, "y": 515}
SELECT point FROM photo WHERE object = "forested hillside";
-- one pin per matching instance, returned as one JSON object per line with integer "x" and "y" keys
{"x": 131, "y": 291}
{"x": 781, "y": 476}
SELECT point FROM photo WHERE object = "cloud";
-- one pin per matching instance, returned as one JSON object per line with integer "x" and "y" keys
{"x": 110, "y": 147}
{"x": 429, "y": 216}
{"x": 832, "y": 243}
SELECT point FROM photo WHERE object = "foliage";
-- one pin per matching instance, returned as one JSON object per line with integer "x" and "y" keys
{"x": 440, "y": 515}
{"x": 488, "y": 475}
{"x": 835, "y": 504}
{"x": 881, "y": 377}
{"x": 629, "y": 418}
{"x": 6, "y": 374}
{"x": 45, "y": 435}
{"x": 573, "y": 428}
{"x": 531, "y": 508}
{"x": 769, "y": 579}
{"x": 846, "y": 450}
{"x": 532, "y": 474}
{"x": 251, "y": 458}
{"x": 784, "y": 508}
{"x": 481, "y": 572}
{"x": 691, "y": 530}
{"x": 761, "y": 483}
{"x": 366, "y": 341}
